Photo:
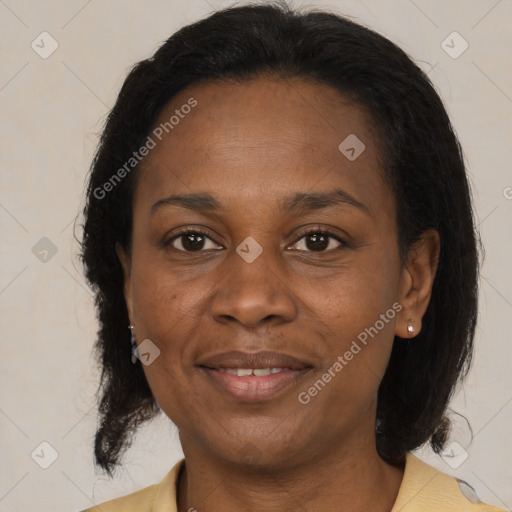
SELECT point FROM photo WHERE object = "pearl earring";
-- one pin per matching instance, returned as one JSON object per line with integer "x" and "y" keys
{"x": 410, "y": 328}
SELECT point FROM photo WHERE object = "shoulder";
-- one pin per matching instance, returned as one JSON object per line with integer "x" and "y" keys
{"x": 155, "y": 498}
{"x": 424, "y": 488}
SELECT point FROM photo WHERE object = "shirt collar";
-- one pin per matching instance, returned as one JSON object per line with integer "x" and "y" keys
{"x": 420, "y": 481}
{"x": 165, "y": 498}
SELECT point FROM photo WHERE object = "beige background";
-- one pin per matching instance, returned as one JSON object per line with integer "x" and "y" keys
{"x": 52, "y": 111}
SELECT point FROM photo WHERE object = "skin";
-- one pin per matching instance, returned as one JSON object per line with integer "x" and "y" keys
{"x": 250, "y": 146}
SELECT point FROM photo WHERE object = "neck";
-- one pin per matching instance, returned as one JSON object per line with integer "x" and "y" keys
{"x": 351, "y": 479}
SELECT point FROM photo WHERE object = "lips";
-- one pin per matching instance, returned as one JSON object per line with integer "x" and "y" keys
{"x": 255, "y": 360}
{"x": 253, "y": 377}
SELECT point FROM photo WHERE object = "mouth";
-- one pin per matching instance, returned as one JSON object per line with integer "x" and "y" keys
{"x": 253, "y": 377}
{"x": 247, "y": 372}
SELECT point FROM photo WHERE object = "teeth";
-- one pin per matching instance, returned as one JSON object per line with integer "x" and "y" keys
{"x": 243, "y": 372}
{"x": 246, "y": 372}
{"x": 259, "y": 372}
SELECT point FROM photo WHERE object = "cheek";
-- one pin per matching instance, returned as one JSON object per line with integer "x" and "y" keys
{"x": 355, "y": 296}
{"x": 168, "y": 308}
{"x": 165, "y": 317}
{"x": 161, "y": 301}
{"x": 358, "y": 334}
{"x": 355, "y": 311}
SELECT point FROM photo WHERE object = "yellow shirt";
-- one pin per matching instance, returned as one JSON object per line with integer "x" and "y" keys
{"x": 423, "y": 489}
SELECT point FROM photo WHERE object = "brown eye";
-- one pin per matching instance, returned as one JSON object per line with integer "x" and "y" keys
{"x": 317, "y": 241}
{"x": 193, "y": 241}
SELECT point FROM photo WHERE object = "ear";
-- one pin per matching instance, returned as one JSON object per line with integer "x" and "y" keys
{"x": 416, "y": 282}
{"x": 126, "y": 265}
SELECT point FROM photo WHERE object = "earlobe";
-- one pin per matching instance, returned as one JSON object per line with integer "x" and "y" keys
{"x": 416, "y": 283}
{"x": 125, "y": 261}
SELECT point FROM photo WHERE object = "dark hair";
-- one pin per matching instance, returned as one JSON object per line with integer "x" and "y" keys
{"x": 422, "y": 160}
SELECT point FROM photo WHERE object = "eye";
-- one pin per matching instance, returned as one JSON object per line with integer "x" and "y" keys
{"x": 193, "y": 241}
{"x": 318, "y": 241}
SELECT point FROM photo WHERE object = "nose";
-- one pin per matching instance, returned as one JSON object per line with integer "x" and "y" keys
{"x": 253, "y": 294}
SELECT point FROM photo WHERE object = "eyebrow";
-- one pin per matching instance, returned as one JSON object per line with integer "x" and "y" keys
{"x": 197, "y": 202}
{"x": 299, "y": 202}
{"x": 310, "y": 202}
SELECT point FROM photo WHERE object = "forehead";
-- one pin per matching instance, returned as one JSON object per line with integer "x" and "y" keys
{"x": 262, "y": 137}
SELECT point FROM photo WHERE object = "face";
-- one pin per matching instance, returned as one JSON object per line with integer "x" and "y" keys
{"x": 253, "y": 232}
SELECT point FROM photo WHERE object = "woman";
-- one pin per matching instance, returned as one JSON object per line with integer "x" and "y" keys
{"x": 279, "y": 212}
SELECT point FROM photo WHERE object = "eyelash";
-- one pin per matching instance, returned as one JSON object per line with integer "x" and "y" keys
{"x": 323, "y": 232}
{"x": 314, "y": 231}
{"x": 189, "y": 231}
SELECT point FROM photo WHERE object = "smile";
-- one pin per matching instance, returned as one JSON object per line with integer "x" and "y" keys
{"x": 246, "y": 372}
{"x": 254, "y": 384}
